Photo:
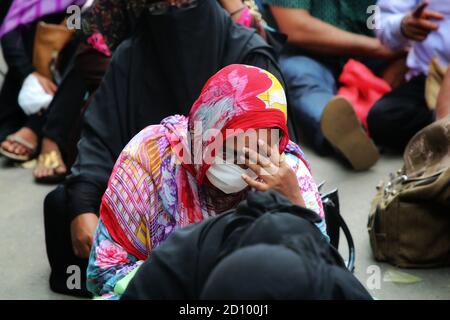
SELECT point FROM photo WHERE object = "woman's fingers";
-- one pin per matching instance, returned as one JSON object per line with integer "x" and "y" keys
{"x": 46, "y": 84}
{"x": 255, "y": 184}
{"x": 259, "y": 164}
{"x": 50, "y": 87}
{"x": 271, "y": 152}
{"x": 256, "y": 158}
{"x": 264, "y": 149}
{"x": 252, "y": 165}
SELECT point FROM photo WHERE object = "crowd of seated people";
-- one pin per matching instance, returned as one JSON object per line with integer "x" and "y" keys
{"x": 118, "y": 131}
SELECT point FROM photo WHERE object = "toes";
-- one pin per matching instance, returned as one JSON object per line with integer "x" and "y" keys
{"x": 20, "y": 150}
{"x": 7, "y": 145}
{"x": 61, "y": 169}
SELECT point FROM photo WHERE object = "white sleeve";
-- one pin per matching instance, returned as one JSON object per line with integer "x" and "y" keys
{"x": 391, "y": 15}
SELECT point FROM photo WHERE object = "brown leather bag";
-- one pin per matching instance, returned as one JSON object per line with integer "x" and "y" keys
{"x": 50, "y": 39}
{"x": 409, "y": 222}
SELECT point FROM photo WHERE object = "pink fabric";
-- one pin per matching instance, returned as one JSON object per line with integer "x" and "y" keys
{"x": 362, "y": 88}
{"x": 245, "y": 18}
{"x": 110, "y": 254}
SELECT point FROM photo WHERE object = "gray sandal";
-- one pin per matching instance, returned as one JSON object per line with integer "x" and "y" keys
{"x": 31, "y": 149}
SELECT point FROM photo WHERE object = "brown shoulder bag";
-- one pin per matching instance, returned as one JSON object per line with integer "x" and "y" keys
{"x": 409, "y": 222}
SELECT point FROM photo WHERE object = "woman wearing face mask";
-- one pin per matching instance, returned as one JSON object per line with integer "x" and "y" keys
{"x": 157, "y": 72}
{"x": 172, "y": 175}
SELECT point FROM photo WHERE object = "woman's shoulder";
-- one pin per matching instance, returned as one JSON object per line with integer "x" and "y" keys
{"x": 147, "y": 137}
{"x": 154, "y": 141}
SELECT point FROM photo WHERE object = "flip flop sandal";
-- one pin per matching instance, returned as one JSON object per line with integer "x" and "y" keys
{"x": 342, "y": 129}
{"x": 50, "y": 160}
{"x": 31, "y": 149}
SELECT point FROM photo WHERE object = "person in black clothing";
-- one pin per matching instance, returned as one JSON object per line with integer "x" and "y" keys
{"x": 61, "y": 131}
{"x": 158, "y": 72}
{"x": 4, "y": 7}
{"x": 17, "y": 48}
{"x": 265, "y": 249}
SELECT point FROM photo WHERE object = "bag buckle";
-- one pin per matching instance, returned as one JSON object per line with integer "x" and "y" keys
{"x": 391, "y": 186}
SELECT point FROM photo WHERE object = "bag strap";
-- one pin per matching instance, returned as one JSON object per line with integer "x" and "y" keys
{"x": 335, "y": 222}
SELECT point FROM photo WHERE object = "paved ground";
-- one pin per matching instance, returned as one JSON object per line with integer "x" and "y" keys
{"x": 24, "y": 268}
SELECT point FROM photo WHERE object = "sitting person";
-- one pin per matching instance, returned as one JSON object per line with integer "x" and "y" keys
{"x": 181, "y": 172}
{"x": 321, "y": 38}
{"x": 400, "y": 114}
{"x": 265, "y": 249}
{"x": 157, "y": 72}
{"x": 61, "y": 131}
{"x": 20, "y": 131}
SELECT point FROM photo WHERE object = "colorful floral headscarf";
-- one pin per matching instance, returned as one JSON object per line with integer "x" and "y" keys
{"x": 238, "y": 97}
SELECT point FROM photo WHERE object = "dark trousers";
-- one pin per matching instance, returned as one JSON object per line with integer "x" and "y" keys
{"x": 400, "y": 114}
{"x": 59, "y": 245}
{"x": 64, "y": 116}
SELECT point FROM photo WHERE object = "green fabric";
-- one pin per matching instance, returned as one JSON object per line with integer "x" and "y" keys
{"x": 122, "y": 285}
{"x": 349, "y": 15}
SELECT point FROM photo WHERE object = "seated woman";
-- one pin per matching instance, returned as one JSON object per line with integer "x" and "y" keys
{"x": 157, "y": 72}
{"x": 265, "y": 249}
{"x": 172, "y": 175}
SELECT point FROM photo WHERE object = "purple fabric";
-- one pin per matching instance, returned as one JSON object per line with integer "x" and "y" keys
{"x": 23, "y": 12}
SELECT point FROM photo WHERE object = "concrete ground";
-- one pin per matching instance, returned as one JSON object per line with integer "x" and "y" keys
{"x": 24, "y": 269}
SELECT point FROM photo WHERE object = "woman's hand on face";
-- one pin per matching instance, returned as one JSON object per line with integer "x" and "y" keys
{"x": 274, "y": 172}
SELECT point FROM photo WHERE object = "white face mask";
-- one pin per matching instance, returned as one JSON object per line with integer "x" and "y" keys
{"x": 227, "y": 177}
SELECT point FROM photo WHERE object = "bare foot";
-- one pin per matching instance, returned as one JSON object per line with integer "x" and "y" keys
{"x": 50, "y": 161}
{"x": 17, "y": 148}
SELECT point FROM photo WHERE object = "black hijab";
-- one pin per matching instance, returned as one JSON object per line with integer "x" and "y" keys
{"x": 158, "y": 72}
{"x": 265, "y": 249}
